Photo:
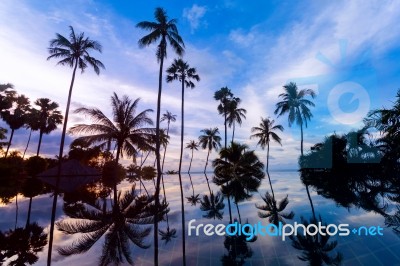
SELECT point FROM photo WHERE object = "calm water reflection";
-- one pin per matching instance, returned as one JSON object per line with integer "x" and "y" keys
{"x": 205, "y": 204}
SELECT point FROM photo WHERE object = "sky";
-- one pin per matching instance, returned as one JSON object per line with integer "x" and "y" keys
{"x": 346, "y": 51}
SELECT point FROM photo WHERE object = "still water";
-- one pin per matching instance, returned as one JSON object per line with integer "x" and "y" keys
{"x": 217, "y": 250}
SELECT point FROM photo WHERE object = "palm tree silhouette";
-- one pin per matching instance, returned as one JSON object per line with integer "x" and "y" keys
{"x": 192, "y": 145}
{"x": 296, "y": 106}
{"x": 49, "y": 118}
{"x": 7, "y": 96}
{"x": 235, "y": 114}
{"x": 123, "y": 224}
{"x": 274, "y": 211}
{"x": 210, "y": 140}
{"x": 75, "y": 53}
{"x": 238, "y": 172}
{"x": 166, "y": 31}
{"x": 265, "y": 133}
{"x": 32, "y": 124}
{"x": 16, "y": 119}
{"x": 22, "y": 244}
{"x": 126, "y": 128}
{"x": 316, "y": 248}
{"x": 224, "y": 96}
{"x": 213, "y": 205}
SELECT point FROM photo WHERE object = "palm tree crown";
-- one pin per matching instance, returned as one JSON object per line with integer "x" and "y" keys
{"x": 235, "y": 114}
{"x": 181, "y": 71}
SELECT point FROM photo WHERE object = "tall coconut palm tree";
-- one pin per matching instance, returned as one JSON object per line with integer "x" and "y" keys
{"x": 7, "y": 96}
{"x": 210, "y": 140}
{"x": 295, "y": 104}
{"x": 238, "y": 171}
{"x": 192, "y": 145}
{"x": 126, "y": 129}
{"x": 49, "y": 118}
{"x": 265, "y": 133}
{"x": 17, "y": 117}
{"x": 181, "y": 71}
{"x": 75, "y": 53}
{"x": 235, "y": 114}
{"x": 166, "y": 31}
{"x": 32, "y": 124}
{"x": 223, "y": 95}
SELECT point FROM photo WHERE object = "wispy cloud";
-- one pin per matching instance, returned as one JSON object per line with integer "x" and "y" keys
{"x": 194, "y": 15}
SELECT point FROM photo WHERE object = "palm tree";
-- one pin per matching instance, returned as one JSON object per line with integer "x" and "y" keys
{"x": 126, "y": 129}
{"x": 121, "y": 225}
{"x": 235, "y": 114}
{"x": 166, "y": 31}
{"x": 223, "y": 95}
{"x": 265, "y": 133}
{"x": 49, "y": 118}
{"x": 296, "y": 106}
{"x": 7, "y": 96}
{"x": 17, "y": 118}
{"x": 169, "y": 117}
{"x": 274, "y": 211}
{"x": 210, "y": 140}
{"x": 75, "y": 53}
{"x": 192, "y": 145}
{"x": 32, "y": 124}
{"x": 238, "y": 171}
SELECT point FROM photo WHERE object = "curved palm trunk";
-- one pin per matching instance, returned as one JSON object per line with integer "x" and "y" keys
{"x": 267, "y": 170}
{"x": 208, "y": 154}
{"x": 27, "y": 144}
{"x": 229, "y": 208}
{"x": 301, "y": 140}
{"x": 9, "y": 143}
{"x": 191, "y": 182}
{"x": 208, "y": 183}
{"x": 162, "y": 167}
{"x": 115, "y": 177}
{"x": 311, "y": 203}
{"x": 60, "y": 156}
{"x": 40, "y": 142}
{"x": 180, "y": 169}
{"x": 157, "y": 191}
{"x": 226, "y": 135}
{"x": 190, "y": 164}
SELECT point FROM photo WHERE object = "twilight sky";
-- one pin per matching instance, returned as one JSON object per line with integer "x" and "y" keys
{"x": 347, "y": 51}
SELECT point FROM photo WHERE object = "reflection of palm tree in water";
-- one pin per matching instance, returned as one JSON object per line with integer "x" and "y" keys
{"x": 274, "y": 211}
{"x": 120, "y": 225}
{"x": 22, "y": 244}
{"x": 213, "y": 205}
{"x": 315, "y": 249}
{"x": 194, "y": 199}
{"x": 238, "y": 250}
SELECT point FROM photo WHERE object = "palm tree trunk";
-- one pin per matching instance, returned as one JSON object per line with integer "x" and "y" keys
{"x": 269, "y": 178}
{"x": 16, "y": 210}
{"x": 237, "y": 207}
{"x": 191, "y": 182}
{"x": 208, "y": 154}
{"x": 116, "y": 176}
{"x": 311, "y": 203}
{"x": 157, "y": 191}
{"x": 165, "y": 150}
{"x": 190, "y": 164}
{"x": 301, "y": 132}
{"x": 226, "y": 135}
{"x": 40, "y": 142}
{"x": 180, "y": 168}
{"x": 145, "y": 158}
{"x": 233, "y": 130}
{"x": 141, "y": 183}
{"x": 229, "y": 208}
{"x": 53, "y": 210}
{"x": 9, "y": 143}
{"x": 29, "y": 212}
{"x": 27, "y": 144}
{"x": 208, "y": 183}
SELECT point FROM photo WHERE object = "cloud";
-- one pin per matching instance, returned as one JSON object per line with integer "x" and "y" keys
{"x": 193, "y": 15}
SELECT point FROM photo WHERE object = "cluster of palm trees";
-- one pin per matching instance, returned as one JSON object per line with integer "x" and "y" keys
{"x": 238, "y": 171}
{"x": 17, "y": 112}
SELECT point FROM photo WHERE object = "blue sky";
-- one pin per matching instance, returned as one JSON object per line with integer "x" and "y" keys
{"x": 347, "y": 51}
